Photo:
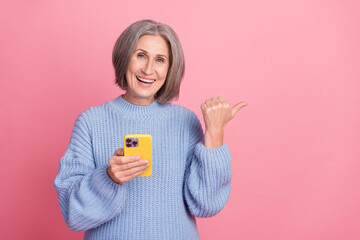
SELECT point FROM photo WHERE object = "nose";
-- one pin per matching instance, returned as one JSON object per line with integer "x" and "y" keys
{"x": 148, "y": 68}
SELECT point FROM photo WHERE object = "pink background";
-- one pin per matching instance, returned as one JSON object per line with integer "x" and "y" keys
{"x": 295, "y": 146}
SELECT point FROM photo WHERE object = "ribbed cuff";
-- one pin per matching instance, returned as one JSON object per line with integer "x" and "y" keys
{"x": 216, "y": 157}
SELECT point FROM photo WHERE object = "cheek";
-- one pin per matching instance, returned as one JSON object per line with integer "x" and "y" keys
{"x": 128, "y": 76}
{"x": 133, "y": 66}
{"x": 132, "y": 69}
{"x": 164, "y": 72}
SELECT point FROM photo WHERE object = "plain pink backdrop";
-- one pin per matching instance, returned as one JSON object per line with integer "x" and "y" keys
{"x": 295, "y": 147}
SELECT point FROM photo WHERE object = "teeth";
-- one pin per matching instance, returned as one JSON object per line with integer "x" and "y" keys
{"x": 145, "y": 80}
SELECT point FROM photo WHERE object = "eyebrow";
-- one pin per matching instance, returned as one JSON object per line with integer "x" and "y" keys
{"x": 142, "y": 50}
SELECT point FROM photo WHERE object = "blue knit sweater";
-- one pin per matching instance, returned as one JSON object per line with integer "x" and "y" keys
{"x": 188, "y": 179}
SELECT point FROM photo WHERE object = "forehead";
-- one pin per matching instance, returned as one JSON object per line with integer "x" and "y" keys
{"x": 153, "y": 44}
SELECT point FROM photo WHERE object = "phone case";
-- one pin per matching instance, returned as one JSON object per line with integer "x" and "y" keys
{"x": 139, "y": 144}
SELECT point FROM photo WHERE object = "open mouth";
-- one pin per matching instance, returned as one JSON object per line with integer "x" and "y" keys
{"x": 144, "y": 80}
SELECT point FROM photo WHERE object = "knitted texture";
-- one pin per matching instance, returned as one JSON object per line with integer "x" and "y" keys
{"x": 188, "y": 180}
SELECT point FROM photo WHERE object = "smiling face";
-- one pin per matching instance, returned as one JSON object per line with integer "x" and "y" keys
{"x": 147, "y": 70}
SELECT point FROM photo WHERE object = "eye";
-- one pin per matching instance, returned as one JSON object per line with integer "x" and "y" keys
{"x": 141, "y": 55}
{"x": 160, "y": 60}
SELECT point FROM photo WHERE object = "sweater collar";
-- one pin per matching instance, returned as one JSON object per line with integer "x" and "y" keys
{"x": 128, "y": 109}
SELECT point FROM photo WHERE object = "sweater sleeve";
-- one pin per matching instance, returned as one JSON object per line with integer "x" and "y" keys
{"x": 87, "y": 195}
{"x": 208, "y": 175}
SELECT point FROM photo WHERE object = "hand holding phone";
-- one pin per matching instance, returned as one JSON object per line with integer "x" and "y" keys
{"x": 139, "y": 144}
{"x": 123, "y": 169}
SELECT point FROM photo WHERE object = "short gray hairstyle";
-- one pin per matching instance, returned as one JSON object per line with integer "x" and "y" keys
{"x": 125, "y": 47}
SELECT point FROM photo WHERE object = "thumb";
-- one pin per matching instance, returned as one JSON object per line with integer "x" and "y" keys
{"x": 119, "y": 152}
{"x": 235, "y": 109}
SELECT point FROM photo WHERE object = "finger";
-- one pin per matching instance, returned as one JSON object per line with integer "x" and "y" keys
{"x": 119, "y": 152}
{"x": 217, "y": 103}
{"x": 221, "y": 99}
{"x": 235, "y": 109}
{"x": 119, "y": 160}
{"x": 214, "y": 101}
{"x": 209, "y": 103}
{"x": 203, "y": 107}
{"x": 134, "y": 171}
{"x": 128, "y": 178}
{"x": 130, "y": 165}
{"x": 224, "y": 102}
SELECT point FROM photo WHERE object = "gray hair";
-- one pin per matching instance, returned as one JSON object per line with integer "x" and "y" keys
{"x": 125, "y": 47}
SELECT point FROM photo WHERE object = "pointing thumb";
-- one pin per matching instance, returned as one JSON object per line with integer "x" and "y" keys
{"x": 235, "y": 109}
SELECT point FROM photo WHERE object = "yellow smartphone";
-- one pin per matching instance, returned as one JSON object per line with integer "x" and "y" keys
{"x": 139, "y": 144}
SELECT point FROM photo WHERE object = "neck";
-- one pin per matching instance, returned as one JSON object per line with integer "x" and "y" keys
{"x": 138, "y": 101}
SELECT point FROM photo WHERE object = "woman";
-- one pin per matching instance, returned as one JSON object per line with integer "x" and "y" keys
{"x": 98, "y": 188}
